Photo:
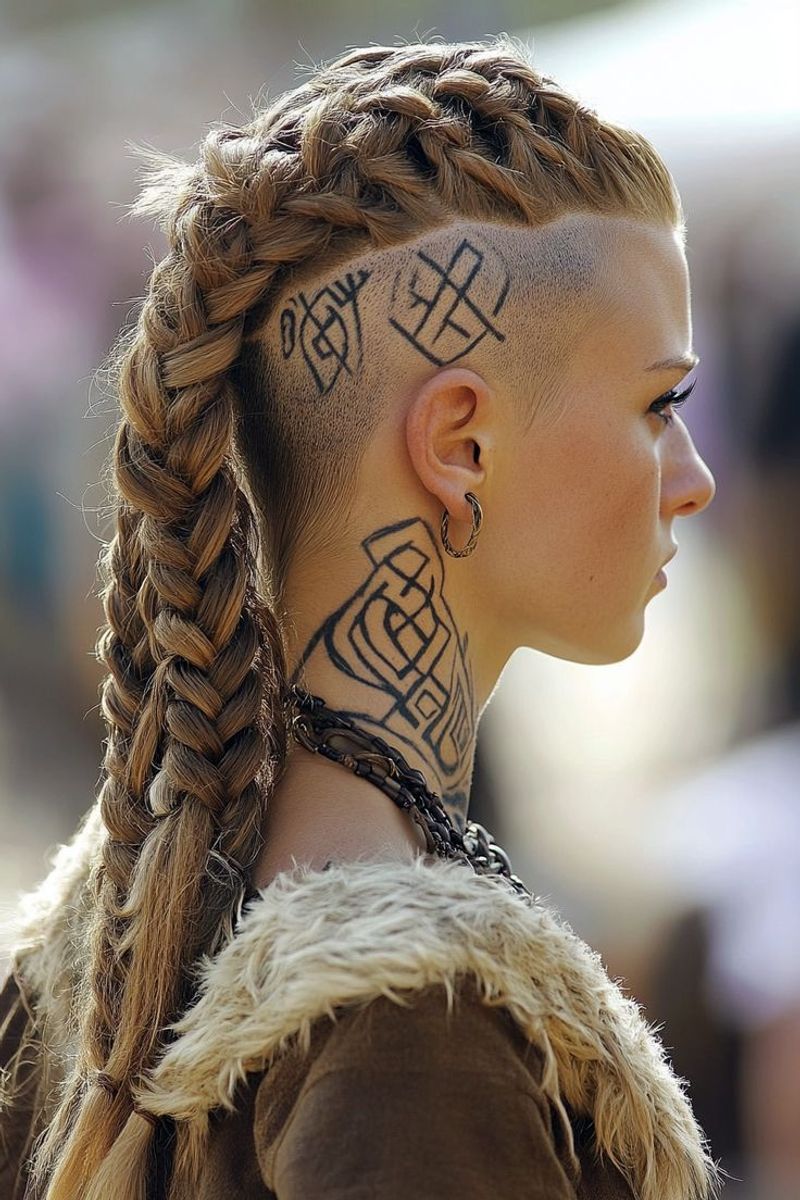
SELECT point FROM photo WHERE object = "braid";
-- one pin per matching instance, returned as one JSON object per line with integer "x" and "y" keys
{"x": 195, "y": 662}
{"x": 375, "y": 147}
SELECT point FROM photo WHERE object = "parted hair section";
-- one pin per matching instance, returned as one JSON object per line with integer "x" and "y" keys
{"x": 251, "y": 321}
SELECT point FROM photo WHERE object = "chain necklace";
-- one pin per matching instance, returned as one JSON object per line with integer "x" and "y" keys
{"x": 316, "y": 726}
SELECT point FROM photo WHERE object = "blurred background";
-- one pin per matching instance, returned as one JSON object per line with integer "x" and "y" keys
{"x": 655, "y": 802}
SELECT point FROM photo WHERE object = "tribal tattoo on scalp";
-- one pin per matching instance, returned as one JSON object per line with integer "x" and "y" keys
{"x": 444, "y": 304}
{"x": 327, "y": 328}
{"x": 444, "y": 309}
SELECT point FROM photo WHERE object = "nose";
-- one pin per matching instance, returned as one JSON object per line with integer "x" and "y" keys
{"x": 689, "y": 485}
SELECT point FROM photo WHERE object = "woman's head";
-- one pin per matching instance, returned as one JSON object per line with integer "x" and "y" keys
{"x": 428, "y": 270}
{"x": 517, "y": 362}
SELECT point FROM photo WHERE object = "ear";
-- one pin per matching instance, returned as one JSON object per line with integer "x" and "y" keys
{"x": 450, "y": 434}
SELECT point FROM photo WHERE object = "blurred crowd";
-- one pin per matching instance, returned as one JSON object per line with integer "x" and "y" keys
{"x": 656, "y": 802}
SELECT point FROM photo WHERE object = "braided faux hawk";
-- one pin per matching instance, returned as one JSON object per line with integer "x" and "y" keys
{"x": 378, "y": 146}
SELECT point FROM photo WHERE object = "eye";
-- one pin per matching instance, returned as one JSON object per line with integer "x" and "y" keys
{"x": 671, "y": 399}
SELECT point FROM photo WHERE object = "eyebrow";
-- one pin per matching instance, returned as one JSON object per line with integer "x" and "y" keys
{"x": 684, "y": 361}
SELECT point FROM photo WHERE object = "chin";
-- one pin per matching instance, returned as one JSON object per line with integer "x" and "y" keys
{"x": 609, "y": 646}
{"x": 625, "y": 643}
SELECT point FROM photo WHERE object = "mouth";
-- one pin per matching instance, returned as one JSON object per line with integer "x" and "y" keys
{"x": 660, "y": 574}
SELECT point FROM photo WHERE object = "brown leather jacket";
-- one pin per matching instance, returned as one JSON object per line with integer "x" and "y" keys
{"x": 375, "y": 1030}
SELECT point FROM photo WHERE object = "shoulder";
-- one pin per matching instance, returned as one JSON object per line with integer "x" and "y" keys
{"x": 317, "y": 945}
{"x": 427, "y": 1035}
{"x": 316, "y": 948}
{"x": 439, "y": 1095}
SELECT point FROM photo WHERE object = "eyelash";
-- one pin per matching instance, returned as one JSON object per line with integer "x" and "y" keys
{"x": 671, "y": 399}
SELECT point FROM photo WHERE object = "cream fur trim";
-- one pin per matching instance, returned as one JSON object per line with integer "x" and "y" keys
{"x": 315, "y": 940}
{"x": 47, "y": 933}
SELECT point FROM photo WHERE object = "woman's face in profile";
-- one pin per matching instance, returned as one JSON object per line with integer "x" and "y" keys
{"x": 591, "y": 515}
{"x": 580, "y": 506}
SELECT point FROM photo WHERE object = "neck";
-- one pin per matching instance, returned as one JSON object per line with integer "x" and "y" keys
{"x": 393, "y": 657}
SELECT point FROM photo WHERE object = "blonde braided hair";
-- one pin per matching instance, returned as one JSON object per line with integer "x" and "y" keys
{"x": 379, "y": 145}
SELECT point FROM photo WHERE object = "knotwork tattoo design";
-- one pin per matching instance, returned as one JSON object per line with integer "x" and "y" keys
{"x": 327, "y": 328}
{"x": 445, "y": 308}
{"x": 397, "y": 637}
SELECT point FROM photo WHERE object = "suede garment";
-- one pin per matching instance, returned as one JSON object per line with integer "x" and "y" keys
{"x": 375, "y": 1029}
{"x": 437, "y": 1105}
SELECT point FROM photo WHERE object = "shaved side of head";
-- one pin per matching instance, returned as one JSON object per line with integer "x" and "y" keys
{"x": 348, "y": 341}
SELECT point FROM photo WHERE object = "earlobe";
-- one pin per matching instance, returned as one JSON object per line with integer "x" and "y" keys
{"x": 447, "y": 434}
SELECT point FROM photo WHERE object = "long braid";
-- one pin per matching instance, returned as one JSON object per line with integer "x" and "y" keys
{"x": 378, "y": 146}
{"x": 190, "y": 690}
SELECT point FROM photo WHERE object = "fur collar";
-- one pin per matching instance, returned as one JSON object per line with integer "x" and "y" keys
{"x": 314, "y": 940}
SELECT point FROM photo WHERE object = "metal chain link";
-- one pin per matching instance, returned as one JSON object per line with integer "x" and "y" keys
{"x": 315, "y": 726}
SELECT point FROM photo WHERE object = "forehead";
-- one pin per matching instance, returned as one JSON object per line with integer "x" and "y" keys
{"x": 642, "y": 304}
{"x": 641, "y": 254}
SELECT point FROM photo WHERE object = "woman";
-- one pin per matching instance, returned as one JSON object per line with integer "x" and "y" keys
{"x": 421, "y": 328}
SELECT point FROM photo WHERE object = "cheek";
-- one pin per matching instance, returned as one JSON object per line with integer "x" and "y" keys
{"x": 606, "y": 515}
{"x": 578, "y": 525}
{"x": 582, "y": 520}
{"x": 632, "y": 501}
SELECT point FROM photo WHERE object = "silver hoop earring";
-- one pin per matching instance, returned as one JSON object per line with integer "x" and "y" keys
{"x": 477, "y": 521}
